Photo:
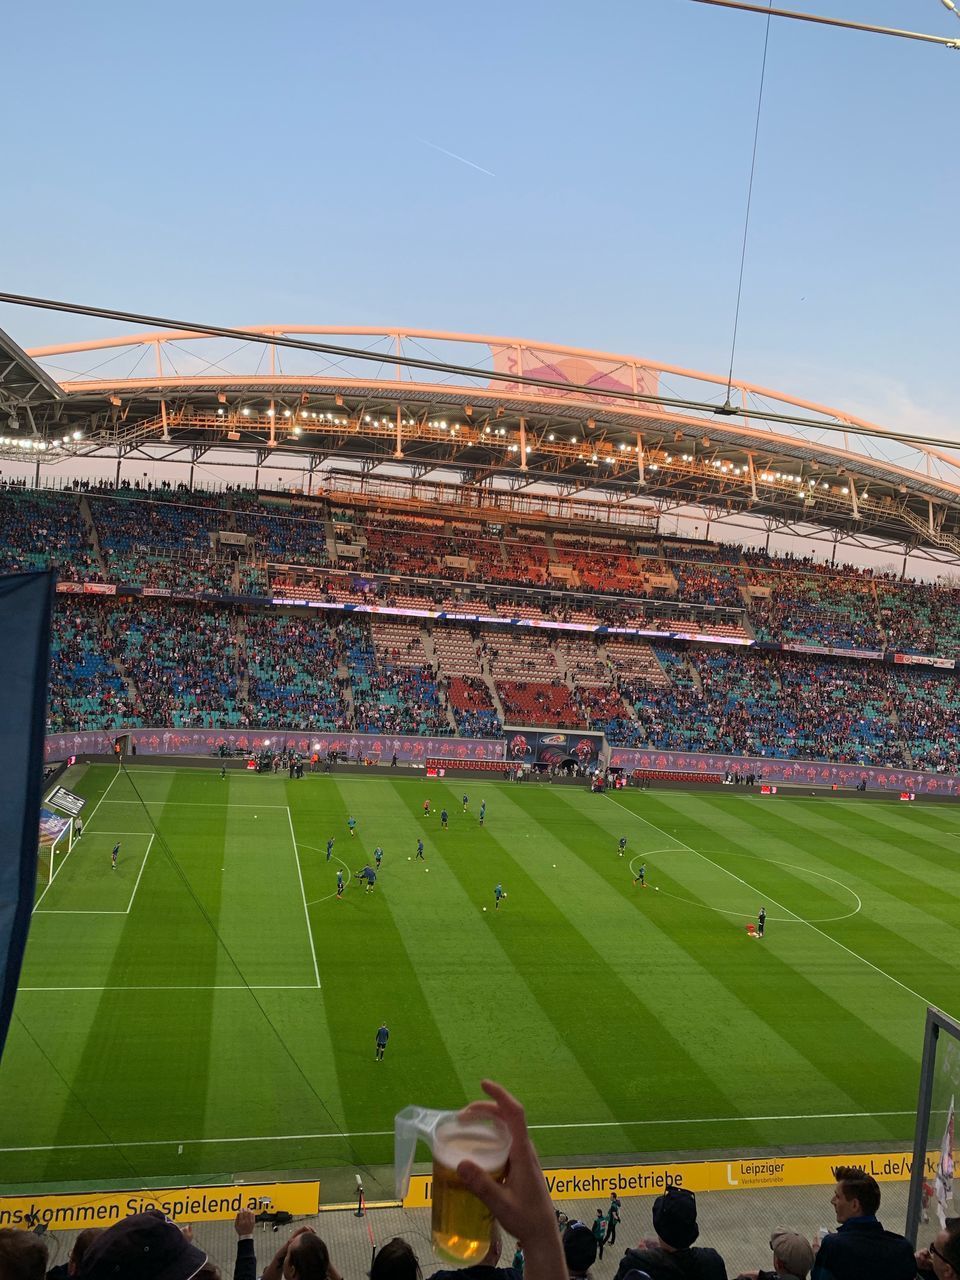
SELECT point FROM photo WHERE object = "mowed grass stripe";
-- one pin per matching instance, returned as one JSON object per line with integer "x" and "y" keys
{"x": 499, "y": 1026}
{"x": 724, "y": 978}
{"x": 718, "y": 971}
{"x": 930, "y": 856}
{"x": 366, "y": 972}
{"x": 553, "y": 931}
{"x": 817, "y": 996}
{"x": 37, "y": 1093}
{"x": 903, "y": 915}
{"x": 263, "y": 924}
{"x": 146, "y": 1055}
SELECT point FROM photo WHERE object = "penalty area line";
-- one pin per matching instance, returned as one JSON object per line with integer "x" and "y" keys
{"x": 387, "y": 1133}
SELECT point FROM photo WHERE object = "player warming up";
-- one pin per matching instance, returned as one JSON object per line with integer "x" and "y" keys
{"x": 761, "y": 921}
{"x": 352, "y": 826}
{"x": 622, "y": 845}
{"x": 339, "y": 884}
{"x": 426, "y": 808}
{"x": 370, "y": 876}
{"x": 466, "y": 803}
{"x": 483, "y": 811}
{"x": 330, "y": 848}
{"x": 641, "y": 877}
{"x": 383, "y": 1035}
{"x": 420, "y": 856}
{"x": 378, "y": 856}
{"x": 498, "y": 897}
{"x": 115, "y": 855}
{"x": 443, "y": 818}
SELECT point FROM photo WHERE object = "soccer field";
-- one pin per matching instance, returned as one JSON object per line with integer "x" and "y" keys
{"x": 210, "y": 1007}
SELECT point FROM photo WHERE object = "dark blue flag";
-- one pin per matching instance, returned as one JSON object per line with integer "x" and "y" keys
{"x": 25, "y": 608}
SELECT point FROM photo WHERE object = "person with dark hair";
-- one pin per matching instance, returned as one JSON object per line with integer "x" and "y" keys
{"x": 941, "y": 1259}
{"x": 396, "y": 1260}
{"x": 579, "y": 1250}
{"x": 860, "y": 1247}
{"x": 671, "y": 1255}
{"x": 613, "y": 1218}
{"x": 80, "y": 1246}
{"x": 599, "y": 1229}
{"x": 23, "y": 1256}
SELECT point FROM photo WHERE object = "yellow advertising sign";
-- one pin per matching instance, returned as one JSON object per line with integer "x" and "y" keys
{"x": 707, "y": 1175}
{"x": 182, "y": 1204}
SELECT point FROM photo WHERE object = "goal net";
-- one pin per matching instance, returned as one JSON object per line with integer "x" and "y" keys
{"x": 56, "y": 841}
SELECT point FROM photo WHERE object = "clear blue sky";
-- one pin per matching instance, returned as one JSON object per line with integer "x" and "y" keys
{"x": 246, "y": 163}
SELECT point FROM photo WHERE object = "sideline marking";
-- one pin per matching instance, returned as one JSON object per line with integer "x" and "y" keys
{"x": 139, "y": 875}
{"x": 240, "y": 986}
{"x": 76, "y": 842}
{"x": 303, "y": 894}
{"x": 765, "y": 897}
{"x": 386, "y": 1133}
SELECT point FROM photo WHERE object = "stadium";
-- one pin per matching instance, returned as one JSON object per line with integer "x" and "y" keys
{"x": 659, "y": 649}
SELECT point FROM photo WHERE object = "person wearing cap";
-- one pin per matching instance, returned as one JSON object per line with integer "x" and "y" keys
{"x": 579, "y": 1250}
{"x": 792, "y": 1256}
{"x": 672, "y": 1256}
{"x": 145, "y": 1246}
{"x": 860, "y": 1246}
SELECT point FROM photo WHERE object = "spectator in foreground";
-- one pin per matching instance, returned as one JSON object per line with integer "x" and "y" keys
{"x": 792, "y": 1257}
{"x": 396, "y": 1260}
{"x": 941, "y": 1260}
{"x": 23, "y": 1256}
{"x": 303, "y": 1257}
{"x": 671, "y": 1255}
{"x": 860, "y": 1249}
{"x": 145, "y": 1246}
{"x": 579, "y": 1250}
{"x": 80, "y": 1246}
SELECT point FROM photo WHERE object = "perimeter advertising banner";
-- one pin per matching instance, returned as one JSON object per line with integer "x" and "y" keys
{"x": 375, "y": 747}
{"x": 792, "y": 772}
{"x": 706, "y": 1175}
{"x": 182, "y": 1204}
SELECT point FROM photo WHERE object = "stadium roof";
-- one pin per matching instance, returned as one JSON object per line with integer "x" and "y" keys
{"x": 490, "y": 411}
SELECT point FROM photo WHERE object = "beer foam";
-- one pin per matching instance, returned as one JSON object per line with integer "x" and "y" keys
{"x": 487, "y": 1145}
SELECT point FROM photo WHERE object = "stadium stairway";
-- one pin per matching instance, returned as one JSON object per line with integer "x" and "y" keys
{"x": 430, "y": 649}
{"x": 86, "y": 515}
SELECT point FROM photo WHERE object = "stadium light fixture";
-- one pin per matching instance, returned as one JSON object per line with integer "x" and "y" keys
{"x": 551, "y": 437}
{"x": 573, "y": 439}
{"x": 246, "y": 413}
{"x": 220, "y": 413}
{"x": 78, "y": 435}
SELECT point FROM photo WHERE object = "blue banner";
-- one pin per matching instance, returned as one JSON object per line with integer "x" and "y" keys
{"x": 25, "y": 609}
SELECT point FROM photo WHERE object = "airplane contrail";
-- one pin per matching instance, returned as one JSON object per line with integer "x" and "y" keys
{"x": 453, "y": 156}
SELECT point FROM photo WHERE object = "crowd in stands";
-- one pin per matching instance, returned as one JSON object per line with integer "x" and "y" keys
{"x": 116, "y": 663}
{"x": 293, "y": 672}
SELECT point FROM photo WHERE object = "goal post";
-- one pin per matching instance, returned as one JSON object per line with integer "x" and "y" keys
{"x": 55, "y": 842}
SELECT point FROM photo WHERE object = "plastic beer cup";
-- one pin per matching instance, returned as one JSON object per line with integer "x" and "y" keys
{"x": 462, "y": 1225}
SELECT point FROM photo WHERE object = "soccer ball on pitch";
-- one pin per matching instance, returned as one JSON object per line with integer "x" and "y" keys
{"x": 484, "y": 908}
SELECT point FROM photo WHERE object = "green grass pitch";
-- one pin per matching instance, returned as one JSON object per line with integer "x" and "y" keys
{"x": 210, "y": 1007}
